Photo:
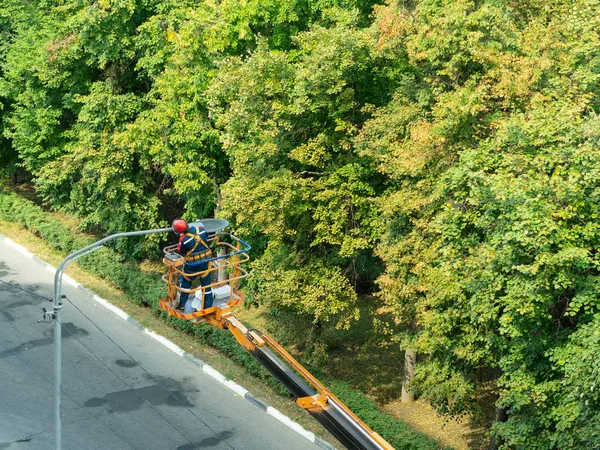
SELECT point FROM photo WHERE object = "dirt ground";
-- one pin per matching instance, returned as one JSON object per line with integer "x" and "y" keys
{"x": 468, "y": 434}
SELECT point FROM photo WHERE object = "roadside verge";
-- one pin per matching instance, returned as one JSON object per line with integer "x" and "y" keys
{"x": 144, "y": 289}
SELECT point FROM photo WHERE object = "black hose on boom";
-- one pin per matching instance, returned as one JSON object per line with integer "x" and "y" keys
{"x": 332, "y": 416}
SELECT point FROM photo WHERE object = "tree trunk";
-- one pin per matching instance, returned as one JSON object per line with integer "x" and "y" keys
{"x": 500, "y": 415}
{"x": 410, "y": 359}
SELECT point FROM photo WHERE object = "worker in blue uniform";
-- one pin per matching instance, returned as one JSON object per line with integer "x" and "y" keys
{"x": 193, "y": 246}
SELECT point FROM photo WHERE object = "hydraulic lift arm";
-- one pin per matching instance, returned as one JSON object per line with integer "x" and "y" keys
{"x": 309, "y": 393}
{"x": 314, "y": 397}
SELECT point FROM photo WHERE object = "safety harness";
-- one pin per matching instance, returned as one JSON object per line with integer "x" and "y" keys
{"x": 191, "y": 258}
{"x": 198, "y": 240}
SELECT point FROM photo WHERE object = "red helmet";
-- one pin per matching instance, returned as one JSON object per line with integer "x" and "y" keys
{"x": 179, "y": 226}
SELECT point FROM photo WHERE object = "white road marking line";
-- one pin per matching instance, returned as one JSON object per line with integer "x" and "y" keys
{"x": 19, "y": 248}
{"x": 290, "y": 423}
{"x": 164, "y": 341}
{"x": 119, "y": 312}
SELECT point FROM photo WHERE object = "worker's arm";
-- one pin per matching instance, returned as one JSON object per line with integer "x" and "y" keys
{"x": 181, "y": 247}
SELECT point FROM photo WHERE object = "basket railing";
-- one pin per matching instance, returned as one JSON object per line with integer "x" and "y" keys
{"x": 235, "y": 254}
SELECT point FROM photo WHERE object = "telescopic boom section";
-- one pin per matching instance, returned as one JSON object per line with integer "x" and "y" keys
{"x": 309, "y": 393}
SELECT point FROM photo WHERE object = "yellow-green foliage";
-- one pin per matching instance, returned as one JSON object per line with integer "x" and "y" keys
{"x": 492, "y": 229}
{"x": 442, "y": 154}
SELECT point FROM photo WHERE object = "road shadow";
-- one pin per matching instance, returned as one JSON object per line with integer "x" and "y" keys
{"x": 14, "y": 295}
{"x": 208, "y": 442}
{"x": 165, "y": 392}
{"x": 70, "y": 331}
{"x": 5, "y": 269}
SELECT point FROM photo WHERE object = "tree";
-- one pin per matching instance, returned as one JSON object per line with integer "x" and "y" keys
{"x": 491, "y": 232}
{"x": 298, "y": 187}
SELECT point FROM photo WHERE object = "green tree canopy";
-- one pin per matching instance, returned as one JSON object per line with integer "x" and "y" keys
{"x": 439, "y": 156}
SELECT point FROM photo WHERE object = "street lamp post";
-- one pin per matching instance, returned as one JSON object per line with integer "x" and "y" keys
{"x": 56, "y": 315}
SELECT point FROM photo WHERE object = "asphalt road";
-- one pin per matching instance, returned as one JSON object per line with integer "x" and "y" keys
{"x": 121, "y": 389}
